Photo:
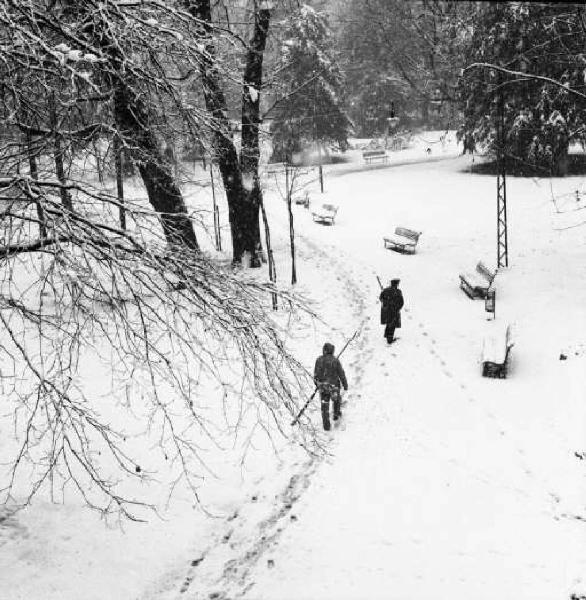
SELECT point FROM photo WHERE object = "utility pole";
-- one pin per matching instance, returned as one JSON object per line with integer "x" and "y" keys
{"x": 289, "y": 179}
{"x": 501, "y": 186}
{"x": 217, "y": 231}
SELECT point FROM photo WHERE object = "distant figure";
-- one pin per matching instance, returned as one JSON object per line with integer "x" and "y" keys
{"x": 390, "y": 312}
{"x": 428, "y": 150}
{"x": 469, "y": 144}
{"x": 328, "y": 376}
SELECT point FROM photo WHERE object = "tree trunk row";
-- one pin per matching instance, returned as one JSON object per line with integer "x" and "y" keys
{"x": 240, "y": 176}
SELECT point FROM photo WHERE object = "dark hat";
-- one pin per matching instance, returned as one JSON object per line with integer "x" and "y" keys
{"x": 395, "y": 281}
{"x": 328, "y": 348}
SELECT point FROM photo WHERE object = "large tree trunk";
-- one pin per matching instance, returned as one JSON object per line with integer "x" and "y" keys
{"x": 250, "y": 151}
{"x": 134, "y": 126}
{"x": 58, "y": 156}
{"x": 240, "y": 178}
{"x": 119, "y": 167}
{"x": 34, "y": 172}
{"x": 163, "y": 192}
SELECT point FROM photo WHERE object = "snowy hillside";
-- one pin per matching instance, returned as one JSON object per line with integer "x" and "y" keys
{"x": 438, "y": 483}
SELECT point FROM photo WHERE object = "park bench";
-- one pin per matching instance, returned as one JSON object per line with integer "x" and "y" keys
{"x": 496, "y": 350}
{"x": 275, "y": 167}
{"x": 403, "y": 240}
{"x": 326, "y": 213}
{"x": 476, "y": 283}
{"x": 375, "y": 155}
{"x": 303, "y": 200}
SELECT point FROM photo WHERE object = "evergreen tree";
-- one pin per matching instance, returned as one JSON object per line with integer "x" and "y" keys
{"x": 311, "y": 105}
{"x": 540, "y": 119}
{"x": 402, "y": 53}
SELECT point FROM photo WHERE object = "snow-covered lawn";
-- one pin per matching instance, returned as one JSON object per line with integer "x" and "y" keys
{"x": 439, "y": 483}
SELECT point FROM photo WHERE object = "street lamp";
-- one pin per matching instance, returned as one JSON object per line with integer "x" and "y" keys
{"x": 392, "y": 121}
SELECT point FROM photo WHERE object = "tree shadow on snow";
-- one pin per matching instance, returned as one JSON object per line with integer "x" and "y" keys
{"x": 488, "y": 166}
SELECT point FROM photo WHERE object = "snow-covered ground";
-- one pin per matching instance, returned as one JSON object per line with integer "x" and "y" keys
{"x": 439, "y": 483}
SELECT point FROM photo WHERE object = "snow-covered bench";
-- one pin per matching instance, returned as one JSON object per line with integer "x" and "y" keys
{"x": 375, "y": 155}
{"x": 303, "y": 200}
{"x": 326, "y": 213}
{"x": 276, "y": 167}
{"x": 403, "y": 240}
{"x": 476, "y": 283}
{"x": 496, "y": 350}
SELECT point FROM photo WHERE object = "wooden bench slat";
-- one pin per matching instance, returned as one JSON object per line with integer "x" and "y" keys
{"x": 414, "y": 235}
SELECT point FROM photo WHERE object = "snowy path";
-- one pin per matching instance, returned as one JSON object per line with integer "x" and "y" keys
{"x": 429, "y": 492}
{"x": 439, "y": 484}
{"x": 415, "y": 503}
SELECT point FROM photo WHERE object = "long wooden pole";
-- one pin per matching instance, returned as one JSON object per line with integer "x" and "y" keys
{"x": 217, "y": 233}
{"x": 272, "y": 268}
{"x": 119, "y": 167}
{"x": 289, "y": 185}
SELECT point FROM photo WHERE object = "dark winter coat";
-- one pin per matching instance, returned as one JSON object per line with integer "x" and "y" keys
{"x": 328, "y": 370}
{"x": 392, "y": 303}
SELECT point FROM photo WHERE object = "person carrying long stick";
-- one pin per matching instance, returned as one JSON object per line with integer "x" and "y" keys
{"x": 392, "y": 302}
{"x": 329, "y": 377}
{"x": 296, "y": 419}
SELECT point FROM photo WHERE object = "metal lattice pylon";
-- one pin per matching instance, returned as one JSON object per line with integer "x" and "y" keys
{"x": 502, "y": 238}
{"x": 502, "y": 242}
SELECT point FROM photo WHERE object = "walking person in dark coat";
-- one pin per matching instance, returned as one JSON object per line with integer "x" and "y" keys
{"x": 329, "y": 376}
{"x": 390, "y": 312}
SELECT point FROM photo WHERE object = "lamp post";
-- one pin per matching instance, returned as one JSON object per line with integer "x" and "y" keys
{"x": 392, "y": 121}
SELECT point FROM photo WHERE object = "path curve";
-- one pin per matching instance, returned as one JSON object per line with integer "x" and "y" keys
{"x": 415, "y": 502}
